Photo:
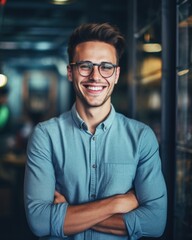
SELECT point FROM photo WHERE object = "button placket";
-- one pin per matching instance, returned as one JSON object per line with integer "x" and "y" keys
{"x": 93, "y": 168}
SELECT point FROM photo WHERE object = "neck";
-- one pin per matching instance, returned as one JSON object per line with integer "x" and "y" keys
{"x": 93, "y": 116}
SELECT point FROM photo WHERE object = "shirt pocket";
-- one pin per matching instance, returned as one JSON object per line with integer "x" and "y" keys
{"x": 116, "y": 178}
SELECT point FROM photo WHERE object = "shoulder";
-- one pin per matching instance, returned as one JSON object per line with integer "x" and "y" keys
{"x": 54, "y": 122}
{"x": 135, "y": 129}
{"x": 53, "y": 126}
{"x": 47, "y": 132}
{"x": 131, "y": 124}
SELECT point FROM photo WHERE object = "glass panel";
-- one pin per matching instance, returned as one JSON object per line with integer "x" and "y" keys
{"x": 148, "y": 66}
{"x": 147, "y": 13}
{"x": 183, "y": 209}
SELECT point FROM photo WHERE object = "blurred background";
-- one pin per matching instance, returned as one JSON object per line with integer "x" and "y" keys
{"x": 155, "y": 87}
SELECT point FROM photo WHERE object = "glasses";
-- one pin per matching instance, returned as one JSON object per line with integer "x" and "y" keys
{"x": 85, "y": 68}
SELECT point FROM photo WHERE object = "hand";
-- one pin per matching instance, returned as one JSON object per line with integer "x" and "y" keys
{"x": 59, "y": 198}
{"x": 99, "y": 214}
{"x": 113, "y": 225}
{"x": 127, "y": 202}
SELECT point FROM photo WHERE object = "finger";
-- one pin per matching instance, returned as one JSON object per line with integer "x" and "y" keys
{"x": 57, "y": 194}
{"x": 58, "y": 197}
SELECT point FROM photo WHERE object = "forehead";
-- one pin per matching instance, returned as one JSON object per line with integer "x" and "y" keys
{"x": 95, "y": 51}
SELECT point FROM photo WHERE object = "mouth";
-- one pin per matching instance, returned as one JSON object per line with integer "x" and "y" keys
{"x": 94, "y": 89}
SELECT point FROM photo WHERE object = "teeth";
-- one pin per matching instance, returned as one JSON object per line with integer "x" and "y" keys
{"x": 95, "y": 88}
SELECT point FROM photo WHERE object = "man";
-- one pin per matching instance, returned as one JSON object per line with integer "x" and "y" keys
{"x": 92, "y": 173}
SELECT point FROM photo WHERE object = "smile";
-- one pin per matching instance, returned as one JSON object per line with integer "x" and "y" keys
{"x": 94, "y": 88}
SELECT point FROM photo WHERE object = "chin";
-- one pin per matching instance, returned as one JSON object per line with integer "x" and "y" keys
{"x": 97, "y": 104}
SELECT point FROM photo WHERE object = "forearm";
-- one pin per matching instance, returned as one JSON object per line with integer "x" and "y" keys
{"x": 113, "y": 225}
{"x": 98, "y": 214}
{"x": 82, "y": 217}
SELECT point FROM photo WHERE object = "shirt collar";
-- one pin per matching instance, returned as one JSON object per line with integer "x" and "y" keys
{"x": 103, "y": 125}
{"x": 77, "y": 119}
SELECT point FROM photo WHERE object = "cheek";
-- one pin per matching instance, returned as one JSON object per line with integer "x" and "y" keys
{"x": 76, "y": 84}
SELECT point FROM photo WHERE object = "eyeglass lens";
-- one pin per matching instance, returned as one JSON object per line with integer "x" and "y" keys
{"x": 105, "y": 69}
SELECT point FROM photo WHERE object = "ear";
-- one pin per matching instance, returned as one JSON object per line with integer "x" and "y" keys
{"x": 69, "y": 73}
{"x": 117, "y": 73}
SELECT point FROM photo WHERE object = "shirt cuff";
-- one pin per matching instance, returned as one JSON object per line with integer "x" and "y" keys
{"x": 58, "y": 213}
{"x": 133, "y": 225}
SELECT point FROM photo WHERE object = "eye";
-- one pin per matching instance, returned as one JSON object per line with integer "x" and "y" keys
{"x": 106, "y": 66}
{"x": 85, "y": 66}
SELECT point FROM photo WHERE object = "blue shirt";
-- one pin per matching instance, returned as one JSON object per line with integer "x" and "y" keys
{"x": 121, "y": 155}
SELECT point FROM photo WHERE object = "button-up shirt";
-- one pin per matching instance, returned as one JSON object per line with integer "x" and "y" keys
{"x": 121, "y": 155}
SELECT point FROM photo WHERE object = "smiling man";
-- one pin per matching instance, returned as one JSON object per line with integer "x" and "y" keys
{"x": 93, "y": 173}
{"x": 94, "y": 72}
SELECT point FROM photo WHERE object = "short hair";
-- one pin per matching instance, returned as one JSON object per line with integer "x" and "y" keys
{"x": 103, "y": 32}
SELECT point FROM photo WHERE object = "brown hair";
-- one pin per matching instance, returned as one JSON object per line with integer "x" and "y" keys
{"x": 96, "y": 32}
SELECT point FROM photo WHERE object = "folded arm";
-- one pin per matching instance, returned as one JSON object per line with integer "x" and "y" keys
{"x": 149, "y": 219}
{"x": 113, "y": 225}
{"x": 102, "y": 215}
{"x": 60, "y": 219}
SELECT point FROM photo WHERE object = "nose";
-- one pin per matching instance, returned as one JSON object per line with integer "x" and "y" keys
{"x": 95, "y": 75}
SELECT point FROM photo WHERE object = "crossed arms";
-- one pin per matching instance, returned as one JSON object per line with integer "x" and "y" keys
{"x": 114, "y": 215}
{"x": 103, "y": 215}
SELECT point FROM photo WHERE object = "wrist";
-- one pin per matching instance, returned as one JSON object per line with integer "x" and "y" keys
{"x": 125, "y": 203}
{"x": 118, "y": 203}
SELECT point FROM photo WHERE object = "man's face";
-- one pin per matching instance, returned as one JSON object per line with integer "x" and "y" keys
{"x": 94, "y": 90}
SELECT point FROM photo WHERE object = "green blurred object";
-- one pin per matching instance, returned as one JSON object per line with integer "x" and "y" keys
{"x": 4, "y": 116}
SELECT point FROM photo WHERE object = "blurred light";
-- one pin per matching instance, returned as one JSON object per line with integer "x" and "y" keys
{"x": 38, "y": 80}
{"x": 151, "y": 70}
{"x": 3, "y": 80}
{"x": 8, "y": 45}
{"x": 61, "y": 67}
{"x": 4, "y": 116}
{"x": 147, "y": 37}
{"x": 152, "y": 47}
{"x": 61, "y": 2}
{"x": 152, "y": 78}
{"x": 154, "y": 101}
{"x": 2, "y": 2}
{"x": 183, "y": 72}
{"x": 43, "y": 46}
{"x": 186, "y": 23}
{"x": 26, "y": 45}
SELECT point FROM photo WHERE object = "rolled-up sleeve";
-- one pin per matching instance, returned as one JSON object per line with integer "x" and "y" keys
{"x": 44, "y": 217}
{"x": 149, "y": 219}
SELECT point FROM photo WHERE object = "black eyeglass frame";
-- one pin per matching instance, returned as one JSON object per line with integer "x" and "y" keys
{"x": 92, "y": 65}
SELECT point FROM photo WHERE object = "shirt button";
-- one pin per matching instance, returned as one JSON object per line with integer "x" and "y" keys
{"x": 94, "y": 166}
{"x": 93, "y": 138}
